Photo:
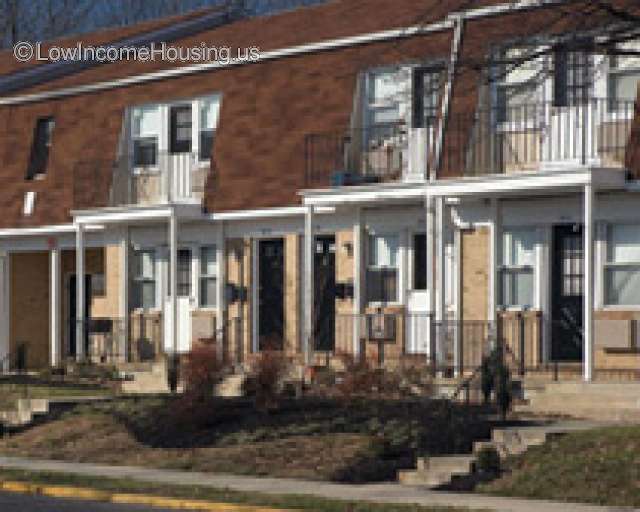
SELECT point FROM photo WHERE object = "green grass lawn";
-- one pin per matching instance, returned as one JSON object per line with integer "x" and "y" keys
{"x": 297, "y": 502}
{"x": 359, "y": 440}
{"x": 599, "y": 466}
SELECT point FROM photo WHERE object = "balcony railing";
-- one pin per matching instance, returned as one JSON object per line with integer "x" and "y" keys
{"x": 119, "y": 182}
{"x": 371, "y": 154}
{"x": 538, "y": 136}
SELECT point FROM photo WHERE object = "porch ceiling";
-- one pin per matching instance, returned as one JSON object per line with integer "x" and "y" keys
{"x": 138, "y": 214}
{"x": 531, "y": 183}
{"x": 387, "y": 193}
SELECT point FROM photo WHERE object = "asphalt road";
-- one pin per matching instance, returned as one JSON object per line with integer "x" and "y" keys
{"x": 10, "y": 502}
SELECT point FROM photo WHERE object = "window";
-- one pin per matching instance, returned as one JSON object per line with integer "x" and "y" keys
{"x": 420, "y": 261}
{"x": 42, "y": 137}
{"x": 624, "y": 73}
{"x": 519, "y": 74}
{"x": 516, "y": 269}
{"x": 144, "y": 279}
{"x": 427, "y": 89}
{"x": 382, "y": 270}
{"x": 145, "y": 131}
{"x": 208, "y": 276}
{"x": 572, "y": 77}
{"x": 209, "y": 112}
{"x": 622, "y": 270}
{"x": 387, "y": 96}
{"x": 180, "y": 129}
{"x": 184, "y": 272}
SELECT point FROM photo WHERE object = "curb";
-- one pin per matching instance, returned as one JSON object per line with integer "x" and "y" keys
{"x": 81, "y": 493}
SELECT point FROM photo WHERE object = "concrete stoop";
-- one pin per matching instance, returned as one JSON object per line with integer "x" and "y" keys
{"x": 604, "y": 401}
{"x": 28, "y": 410}
{"x": 231, "y": 385}
{"x": 145, "y": 378}
{"x": 445, "y": 471}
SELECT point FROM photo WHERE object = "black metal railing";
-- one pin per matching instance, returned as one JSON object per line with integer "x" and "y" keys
{"x": 167, "y": 177}
{"x": 528, "y": 137}
{"x": 358, "y": 156}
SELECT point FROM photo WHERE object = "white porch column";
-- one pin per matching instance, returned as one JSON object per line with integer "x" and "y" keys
{"x": 4, "y": 311}
{"x": 457, "y": 348}
{"x": 358, "y": 292}
{"x": 309, "y": 258}
{"x": 588, "y": 283}
{"x": 431, "y": 281}
{"x": 80, "y": 293}
{"x": 440, "y": 275}
{"x": 55, "y": 350}
{"x": 221, "y": 317}
{"x": 124, "y": 294}
{"x": 173, "y": 280}
{"x": 494, "y": 261}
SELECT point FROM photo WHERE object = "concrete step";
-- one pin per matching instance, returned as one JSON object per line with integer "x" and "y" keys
{"x": 231, "y": 386}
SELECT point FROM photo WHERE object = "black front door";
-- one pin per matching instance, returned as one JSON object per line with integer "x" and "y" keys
{"x": 271, "y": 294}
{"x": 567, "y": 293}
{"x": 325, "y": 293}
{"x": 72, "y": 313}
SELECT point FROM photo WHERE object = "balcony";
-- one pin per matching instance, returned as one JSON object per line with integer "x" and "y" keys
{"x": 540, "y": 136}
{"x": 168, "y": 178}
{"x": 373, "y": 154}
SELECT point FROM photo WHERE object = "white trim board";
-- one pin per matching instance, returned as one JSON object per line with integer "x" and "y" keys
{"x": 327, "y": 45}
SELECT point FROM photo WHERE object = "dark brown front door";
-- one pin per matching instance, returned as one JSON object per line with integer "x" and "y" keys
{"x": 271, "y": 294}
{"x": 325, "y": 293}
{"x": 567, "y": 293}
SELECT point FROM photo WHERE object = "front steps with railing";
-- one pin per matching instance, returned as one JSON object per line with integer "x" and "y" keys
{"x": 447, "y": 471}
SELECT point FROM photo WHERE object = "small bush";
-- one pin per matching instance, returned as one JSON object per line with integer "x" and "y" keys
{"x": 361, "y": 378}
{"x": 266, "y": 377}
{"x": 488, "y": 461}
{"x": 201, "y": 371}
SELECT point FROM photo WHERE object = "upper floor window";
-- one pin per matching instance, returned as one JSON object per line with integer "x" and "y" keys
{"x": 145, "y": 135}
{"x": 516, "y": 269}
{"x": 42, "y": 139}
{"x": 624, "y": 72}
{"x": 622, "y": 269}
{"x": 180, "y": 128}
{"x": 519, "y": 74}
{"x": 382, "y": 269}
{"x": 573, "y": 76}
{"x": 428, "y": 83}
{"x": 209, "y": 112}
{"x": 387, "y": 96}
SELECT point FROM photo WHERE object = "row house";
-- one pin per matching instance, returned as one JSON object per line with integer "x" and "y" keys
{"x": 410, "y": 181}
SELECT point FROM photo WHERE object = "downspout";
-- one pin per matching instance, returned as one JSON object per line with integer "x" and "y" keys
{"x": 458, "y": 28}
{"x": 435, "y": 231}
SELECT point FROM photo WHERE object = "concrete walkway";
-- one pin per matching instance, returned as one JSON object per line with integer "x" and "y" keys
{"x": 379, "y": 493}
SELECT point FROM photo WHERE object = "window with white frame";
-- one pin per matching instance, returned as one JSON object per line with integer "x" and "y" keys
{"x": 382, "y": 268}
{"x": 144, "y": 279}
{"x": 145, "y": 135}
{"x": 209, "y": 113}
{"x": 519, "y": 76}
{"x": 190, "y": 127}
{"x": 622, "y": 268}
{"x": 517, "y": 268}
{"x": 624, "y": 73}
{"x": 387, "y": 96}
{"x": 208, "y": 276}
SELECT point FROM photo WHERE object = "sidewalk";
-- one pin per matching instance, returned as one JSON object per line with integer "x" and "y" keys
{"x": 379, "y": 493}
